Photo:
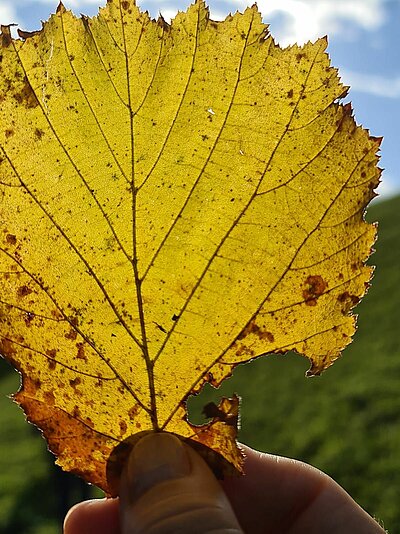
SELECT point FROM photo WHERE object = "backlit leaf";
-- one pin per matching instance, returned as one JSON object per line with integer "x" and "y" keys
{"x": 174, "y": 200}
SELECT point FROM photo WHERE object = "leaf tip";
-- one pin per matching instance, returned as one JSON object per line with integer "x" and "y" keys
{"x": 26, "y": 35}
{"x": 60, "y": 8}
{"x": 5, "y": 34}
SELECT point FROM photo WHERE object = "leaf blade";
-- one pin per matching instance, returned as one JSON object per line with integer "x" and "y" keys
{"x": 201, "y": 194}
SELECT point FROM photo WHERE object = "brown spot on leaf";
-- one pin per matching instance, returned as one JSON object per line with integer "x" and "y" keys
{"x": 26, "y": 95}
{"x": 74, "y": 321}
{"x": 253, "y": 328}
{"x": 71, "y": 334}
{"x": 290, "y": 93}
{"x": 9, "y": 132}
{"x": 23, "y": 291}
{"x": 11, "y": 239}
{"x": 242, "y": 349}
{"x": 39, "y": 133}
{"x": 81, "y": 352}
{"x": 315, "y": 286}
{"x": 132, "y": 412}
{"x": 28, "y": 318}
{"x": 348, "y": 300}
{"x": 125, "y": 5}
{"x": 75, "y": 382}
{"x": 267, "y": 335}
{"x": 123, "y": 426}
{"x": 51, "y": 353}
{"x": 57, "y": 314}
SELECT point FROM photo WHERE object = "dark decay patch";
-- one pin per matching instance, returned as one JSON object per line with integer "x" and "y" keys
{"x": 75, "y": 382}
{"x": 132, "y": 412}
{"x": 123, "y": 427}
{"x": 26, "y": 95}
{"x": 346, "y": 296}
{"x": 243, "y": 350}
{"x": 81, "y": 352}
{"x": 71, "y": 334}
{"x": 11, "y": 239}
{"x": 348, "y": 301}
{"x": 28, "y": 318}
{"x": 39, "y": 133}
{"x": 253, "y": 328}
{"x": 23, "y": 291}
{"x": 315, "y": 286}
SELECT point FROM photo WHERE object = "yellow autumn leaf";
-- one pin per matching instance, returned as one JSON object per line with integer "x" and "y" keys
{"x": 175, "y": 200}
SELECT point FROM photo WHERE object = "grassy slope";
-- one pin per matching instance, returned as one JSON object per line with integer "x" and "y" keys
{"x": 346, "y": 422}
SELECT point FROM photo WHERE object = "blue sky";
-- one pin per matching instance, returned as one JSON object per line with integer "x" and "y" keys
{"x": 364, "y": 43}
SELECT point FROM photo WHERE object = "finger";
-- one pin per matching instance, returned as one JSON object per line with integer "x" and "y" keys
{"x": 283, "y": 495}
{"x": 99, "y": 516}
{"x": 166, "y": 487}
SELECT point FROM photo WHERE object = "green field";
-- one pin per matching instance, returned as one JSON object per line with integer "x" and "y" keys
{"x": 346, "y": 422}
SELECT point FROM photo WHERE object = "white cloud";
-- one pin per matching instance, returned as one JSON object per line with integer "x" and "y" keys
{"x": 305, "y": 20}
{"x": 7, "y": 13}
{"x": 371, "y": 83}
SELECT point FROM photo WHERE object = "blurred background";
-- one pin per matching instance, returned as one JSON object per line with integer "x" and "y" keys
{"x": 346, "y": 422}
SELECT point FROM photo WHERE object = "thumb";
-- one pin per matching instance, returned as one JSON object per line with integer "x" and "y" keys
{"x": 166, "y": 487}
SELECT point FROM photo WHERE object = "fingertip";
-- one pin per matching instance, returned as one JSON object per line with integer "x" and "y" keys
{"x": 97, "y": 516}
{"x": 167, "y": 487}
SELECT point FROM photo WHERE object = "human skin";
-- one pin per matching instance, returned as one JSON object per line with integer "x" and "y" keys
{"x": 166, "y": 487}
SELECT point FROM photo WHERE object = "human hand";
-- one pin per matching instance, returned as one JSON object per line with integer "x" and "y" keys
{"x": 166, "y": 487}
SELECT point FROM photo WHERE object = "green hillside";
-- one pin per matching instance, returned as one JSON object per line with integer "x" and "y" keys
{"x": 346, "y": 422}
